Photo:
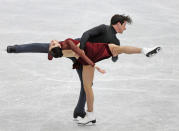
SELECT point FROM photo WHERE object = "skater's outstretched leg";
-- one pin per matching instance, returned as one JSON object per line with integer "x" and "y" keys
{"x": 29, "y": 48}
{"x": 115, "y": 50}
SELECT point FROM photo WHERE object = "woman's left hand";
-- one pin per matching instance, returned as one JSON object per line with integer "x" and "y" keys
{"x": 100, "y": 70}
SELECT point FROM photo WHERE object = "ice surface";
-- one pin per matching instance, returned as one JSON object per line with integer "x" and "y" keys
{"x": 136, "y": 94}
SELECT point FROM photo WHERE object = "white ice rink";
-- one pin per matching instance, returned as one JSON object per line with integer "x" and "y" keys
{"x": 136, "y": 93}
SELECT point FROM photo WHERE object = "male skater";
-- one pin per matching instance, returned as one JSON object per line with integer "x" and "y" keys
{"x": 102, "y": 34}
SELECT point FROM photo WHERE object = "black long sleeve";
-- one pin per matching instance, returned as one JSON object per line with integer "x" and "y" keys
{"x": 96, "y": 31}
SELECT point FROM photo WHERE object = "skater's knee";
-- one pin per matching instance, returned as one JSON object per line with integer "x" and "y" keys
{"x": 87, "y": 85}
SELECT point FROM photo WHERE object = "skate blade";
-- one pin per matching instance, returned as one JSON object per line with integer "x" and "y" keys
{"x": 157, "y": 50}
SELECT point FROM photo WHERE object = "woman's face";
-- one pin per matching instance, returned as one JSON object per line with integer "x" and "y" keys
{"x": 53, "y": 44}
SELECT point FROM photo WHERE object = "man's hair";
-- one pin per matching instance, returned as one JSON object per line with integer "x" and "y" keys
{"x": 56, "y": 52}
{"x": 120, "y": 18}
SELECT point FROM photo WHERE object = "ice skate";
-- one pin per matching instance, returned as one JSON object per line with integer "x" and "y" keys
{"x": 151, "y": 51}
{"x": 89, "y": 118}
{"x": 11, "y": 49}
{"x": 79, "y": 114}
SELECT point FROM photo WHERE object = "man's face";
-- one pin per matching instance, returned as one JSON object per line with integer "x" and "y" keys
{"x": 121, "y": 28}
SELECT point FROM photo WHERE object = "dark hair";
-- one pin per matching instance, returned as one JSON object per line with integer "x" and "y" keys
{"x": 56, "y": 52}
{"x": 120, "y": 18}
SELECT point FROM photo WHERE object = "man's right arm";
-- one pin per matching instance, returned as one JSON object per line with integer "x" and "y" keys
{"x": 117, "y": 42}
{"x": 91, "y": 33}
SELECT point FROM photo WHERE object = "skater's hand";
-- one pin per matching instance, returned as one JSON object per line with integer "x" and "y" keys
{"x": 100, "y": 70}
{"x": 114, "y": 52}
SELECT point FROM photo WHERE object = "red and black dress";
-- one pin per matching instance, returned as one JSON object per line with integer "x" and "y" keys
{"x": 94, "y": 52}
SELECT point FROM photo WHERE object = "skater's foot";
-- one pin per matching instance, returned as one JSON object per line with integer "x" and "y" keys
{"x": 11, "y": 49}
{"x": 89, "y": 118}
{"x": 79, "y": 114}
{"x": 151, "y": 51}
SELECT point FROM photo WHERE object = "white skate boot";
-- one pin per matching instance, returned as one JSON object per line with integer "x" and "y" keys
{"x": 151, "y": 51}
{"x": 89, "y": 118}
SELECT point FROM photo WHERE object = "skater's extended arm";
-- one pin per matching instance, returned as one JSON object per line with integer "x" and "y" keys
{"x": 81, "y": 53}
{"x": 78, "y": 51}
